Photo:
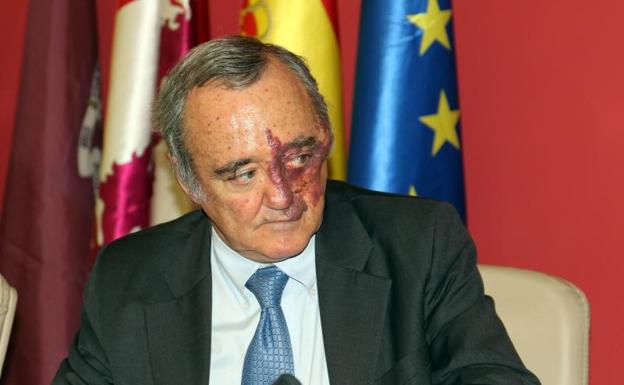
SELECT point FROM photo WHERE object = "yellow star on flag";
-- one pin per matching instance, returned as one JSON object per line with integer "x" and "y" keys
{"x": 412, "y": 191}
{"x": 433, "y": 25}
{"x": 443, "y": 125}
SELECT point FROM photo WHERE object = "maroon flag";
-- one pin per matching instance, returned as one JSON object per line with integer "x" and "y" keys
{"x": 46, "y": 221}
{"x": 12, "y": 31}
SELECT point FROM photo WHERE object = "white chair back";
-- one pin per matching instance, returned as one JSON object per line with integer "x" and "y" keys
{"x": 8, "y": 302}
{"x": 547, "y": 319}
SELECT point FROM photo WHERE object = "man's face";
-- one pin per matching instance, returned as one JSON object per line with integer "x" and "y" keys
{"x": 260, "y": 158}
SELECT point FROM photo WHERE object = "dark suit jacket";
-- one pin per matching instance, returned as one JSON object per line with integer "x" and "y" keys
{"x": 400, "y": 297}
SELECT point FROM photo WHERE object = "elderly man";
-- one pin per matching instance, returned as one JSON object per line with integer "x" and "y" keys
{"x": 282, "y": 271}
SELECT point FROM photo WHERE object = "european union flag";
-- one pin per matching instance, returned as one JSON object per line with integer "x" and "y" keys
{"x": 405, "y": 137}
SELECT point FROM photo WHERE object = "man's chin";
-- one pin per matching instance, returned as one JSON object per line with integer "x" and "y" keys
{"x": 280, "y": 254}
{"x": 279, "y": 251}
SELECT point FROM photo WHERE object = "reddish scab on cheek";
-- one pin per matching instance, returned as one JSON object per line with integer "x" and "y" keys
{"x": 294, "y": 180}
{"x": 277, "y": 170}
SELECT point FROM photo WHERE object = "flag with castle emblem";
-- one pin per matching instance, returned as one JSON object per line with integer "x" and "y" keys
{"x": 406, "y": 130}
{"x": 126, "y": 177}
{"x": 310, "y": 29}
{"x": 149, "y": 37}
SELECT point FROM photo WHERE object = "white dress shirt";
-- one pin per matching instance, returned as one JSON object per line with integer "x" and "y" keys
{"x": 236, "y": 313}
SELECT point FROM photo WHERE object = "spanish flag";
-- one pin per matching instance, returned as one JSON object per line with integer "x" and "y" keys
{"x": 309, "y": 29}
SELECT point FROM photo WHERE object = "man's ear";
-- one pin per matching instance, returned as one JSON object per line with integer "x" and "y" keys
{"x": 187, "y": 191}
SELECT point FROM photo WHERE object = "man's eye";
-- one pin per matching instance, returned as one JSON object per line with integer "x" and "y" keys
{"x": 243, "y": 177}
{"x": 300, "y": 160}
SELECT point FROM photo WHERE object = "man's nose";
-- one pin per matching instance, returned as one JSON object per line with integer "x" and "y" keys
{"x": 278, "y": 194}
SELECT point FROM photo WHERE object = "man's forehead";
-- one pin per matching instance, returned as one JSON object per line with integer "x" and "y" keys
{"x": 227, "y": 108}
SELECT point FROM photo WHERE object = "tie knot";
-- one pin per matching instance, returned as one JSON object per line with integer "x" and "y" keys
{"x": 267, "y": 284}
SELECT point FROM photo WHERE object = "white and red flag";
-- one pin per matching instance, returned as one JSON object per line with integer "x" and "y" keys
{"x": 149, "y": 37}
{"x": 182, "y": 28}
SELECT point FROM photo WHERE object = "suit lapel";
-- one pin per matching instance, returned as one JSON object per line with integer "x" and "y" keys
{"x": 179, "y": 330}
{"x": 352, "y": 303}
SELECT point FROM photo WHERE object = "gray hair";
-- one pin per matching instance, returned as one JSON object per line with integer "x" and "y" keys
{"x": 235, "y": 62}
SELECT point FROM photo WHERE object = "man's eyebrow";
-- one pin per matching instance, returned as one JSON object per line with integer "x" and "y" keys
{"x": 302, "y": 142}
{"x": 232, "y": 167}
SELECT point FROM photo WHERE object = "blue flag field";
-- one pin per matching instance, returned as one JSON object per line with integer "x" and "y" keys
{"x": 406, "y": 128}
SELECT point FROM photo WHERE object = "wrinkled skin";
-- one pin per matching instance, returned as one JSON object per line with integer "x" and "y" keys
{"x": 260, "y": 156}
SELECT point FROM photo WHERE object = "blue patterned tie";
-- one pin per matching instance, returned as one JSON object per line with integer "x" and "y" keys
{"x": 269, "y": 353}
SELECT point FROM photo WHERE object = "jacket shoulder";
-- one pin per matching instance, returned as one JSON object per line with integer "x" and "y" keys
{"x": 381, "y": 209}
{"x": 400, "y": 227}
{"x": 134, "y": 265}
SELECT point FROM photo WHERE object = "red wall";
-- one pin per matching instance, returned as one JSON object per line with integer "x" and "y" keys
{"x": 542, "y": 90}
{"x": 542, "y": 96}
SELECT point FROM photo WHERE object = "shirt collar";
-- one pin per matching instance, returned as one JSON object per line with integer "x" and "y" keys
{"x": 238, "y": 269}
{"x": 302, "y": 267}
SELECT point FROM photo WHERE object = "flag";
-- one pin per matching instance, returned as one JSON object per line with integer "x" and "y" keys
{"x": 183, "y": 24}
{"x": 137, "y": 188}
{"x": 45, "y": 226}
{"x": 12, "y": 33}
{"x": 406, "y": 131}
{"x": 308, "y": 28}
{"x": 123, "y": 204}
